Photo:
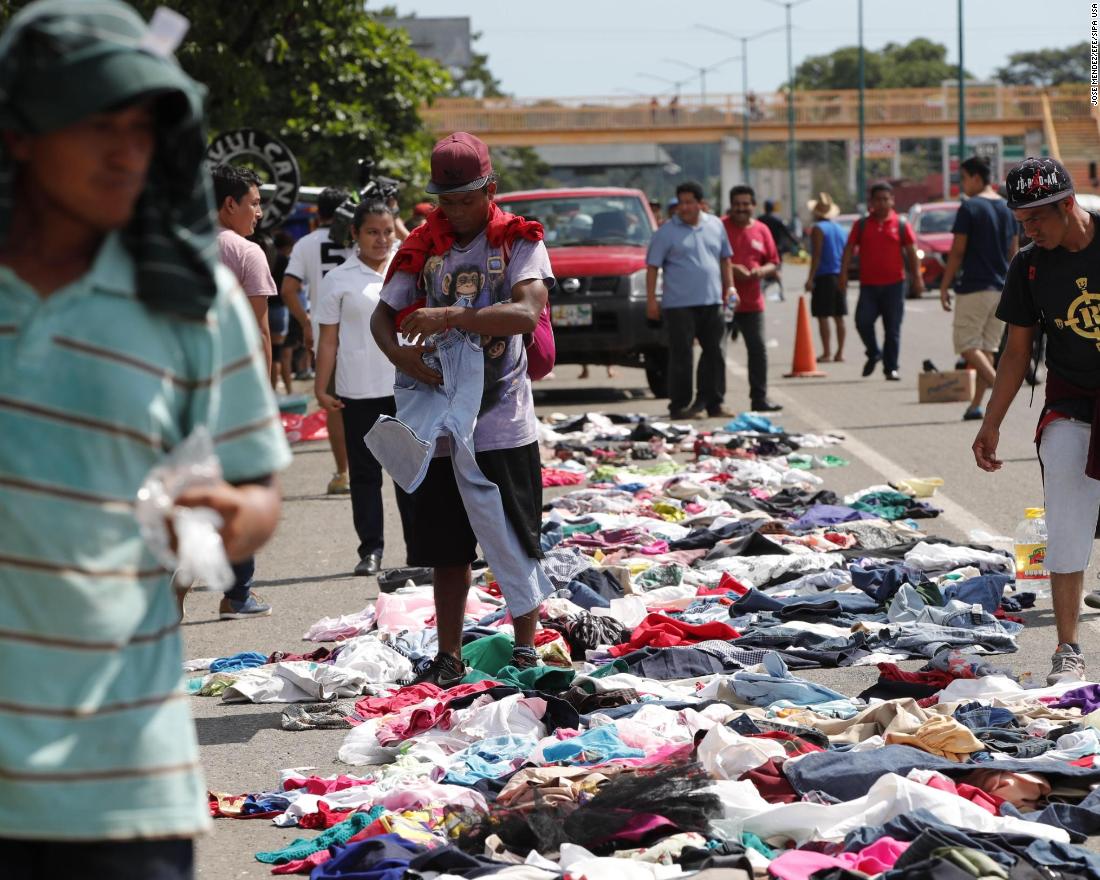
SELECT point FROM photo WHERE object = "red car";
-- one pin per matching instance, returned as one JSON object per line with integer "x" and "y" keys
{"x": 597, "y": 238}
{"x": 932, "y": 222}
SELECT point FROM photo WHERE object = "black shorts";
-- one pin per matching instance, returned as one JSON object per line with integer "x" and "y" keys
{"x": 827, "y": 299}
{"x": 439, "y": 532}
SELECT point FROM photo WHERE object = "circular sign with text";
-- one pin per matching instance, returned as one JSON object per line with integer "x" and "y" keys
{"x": 284, "y": 178}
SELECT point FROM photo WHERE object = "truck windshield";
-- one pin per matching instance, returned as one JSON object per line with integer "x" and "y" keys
{"x": 573, "y": 221}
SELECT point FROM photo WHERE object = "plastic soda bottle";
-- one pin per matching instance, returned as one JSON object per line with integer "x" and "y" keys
{"x": 1031, "y": 551}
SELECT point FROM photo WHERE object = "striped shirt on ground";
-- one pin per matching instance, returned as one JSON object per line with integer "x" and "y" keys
{"x": 97, "y": 739}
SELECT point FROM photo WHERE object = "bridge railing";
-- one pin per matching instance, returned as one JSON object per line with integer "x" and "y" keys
{"x": 816, "y": 108}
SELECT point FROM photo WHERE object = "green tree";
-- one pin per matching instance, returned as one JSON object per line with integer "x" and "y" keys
{"x": 919, "y": 63}
{"x": 1046, "y": 67}
{"x": 326, "y": 76}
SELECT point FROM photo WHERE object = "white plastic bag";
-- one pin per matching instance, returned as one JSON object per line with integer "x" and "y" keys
{"x": 200, "y": 553}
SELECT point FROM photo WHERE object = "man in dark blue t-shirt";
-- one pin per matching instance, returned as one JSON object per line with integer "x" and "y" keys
{"x": 985, "y": 242}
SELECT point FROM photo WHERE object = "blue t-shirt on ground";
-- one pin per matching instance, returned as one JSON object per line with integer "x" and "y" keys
{"x": 690, "y": 258}
{"x": 832, "y": 247}
{"x": 989, "y": 228}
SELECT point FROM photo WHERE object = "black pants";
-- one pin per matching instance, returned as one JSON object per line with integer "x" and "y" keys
{"x": 365, "y": 474}
{"x": 118, "y": 860}
{"x": 685, "y": 325}
{"x": 750, "y": 325}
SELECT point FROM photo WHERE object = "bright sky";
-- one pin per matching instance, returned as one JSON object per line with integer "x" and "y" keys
{"x": 600, "y": 47}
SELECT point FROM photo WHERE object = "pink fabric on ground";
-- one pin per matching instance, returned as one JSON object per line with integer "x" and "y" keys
{"x": 410, "y": 722}
{"x": 303, "y": 866}
{"x": 559, "y": 477}
{"x": 414, "y": 695}
{"x": 317, "y": 785}
{"x": 397, "y": 612}
{"x": 991, "y": 803}
{"x": 799, "y": 864}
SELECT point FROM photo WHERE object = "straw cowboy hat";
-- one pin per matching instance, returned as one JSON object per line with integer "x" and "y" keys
{"x": 823, "y": 207}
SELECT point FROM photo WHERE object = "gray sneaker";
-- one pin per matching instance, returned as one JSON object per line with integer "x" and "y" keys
{"x": 1066, "y": 665}
{"x": 1093, "y": 599}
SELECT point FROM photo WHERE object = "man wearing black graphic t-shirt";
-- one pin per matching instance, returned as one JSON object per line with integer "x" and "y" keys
{"x": 1053, "y": 287}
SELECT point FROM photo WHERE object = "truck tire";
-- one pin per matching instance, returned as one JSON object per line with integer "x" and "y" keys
{"x": 656, "y": 371}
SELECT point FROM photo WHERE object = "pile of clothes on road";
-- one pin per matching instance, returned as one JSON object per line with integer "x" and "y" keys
{"x": 670, "y": 729}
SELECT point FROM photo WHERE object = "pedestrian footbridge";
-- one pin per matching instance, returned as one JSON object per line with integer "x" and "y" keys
{"x": 1064, "y": 116}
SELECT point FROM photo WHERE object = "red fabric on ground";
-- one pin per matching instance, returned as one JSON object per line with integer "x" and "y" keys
{"x": 374, "y": 707}
{"x": 545, "y": 636}
{"x": 303, "y": 866}
{"x": 558, "y": 477}
{"x": 988, "y": 802}
{"x": 771, "y": 783}
{"x": 317, "y": 785}
{"x": 659, "y": 631}
{"x": 934, "y": 677}
{"x": 324, "y": 817}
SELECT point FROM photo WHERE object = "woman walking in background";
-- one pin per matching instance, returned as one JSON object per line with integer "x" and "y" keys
{"x": 364, "y": 376}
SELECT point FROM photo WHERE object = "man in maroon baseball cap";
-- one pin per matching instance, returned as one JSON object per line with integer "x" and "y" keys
{"x": 475, "y": 270}
{"x": 460, "y": 163}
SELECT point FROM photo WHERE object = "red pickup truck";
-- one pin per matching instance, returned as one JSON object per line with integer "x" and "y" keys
{"x": 597, "y": 240}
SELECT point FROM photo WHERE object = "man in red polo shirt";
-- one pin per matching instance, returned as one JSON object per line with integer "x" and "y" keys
{"x": 881, "y": 240}
{"x": 755, "y": 257}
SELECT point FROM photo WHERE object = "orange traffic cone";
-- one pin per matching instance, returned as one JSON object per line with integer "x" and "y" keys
{"x": 804, "y": 364}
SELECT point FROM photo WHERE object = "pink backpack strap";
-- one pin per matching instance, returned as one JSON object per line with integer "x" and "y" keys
{"x": 541, "y": 350}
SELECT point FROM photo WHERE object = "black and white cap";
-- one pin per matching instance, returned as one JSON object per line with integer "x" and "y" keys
{"x": 1036, "y": 182}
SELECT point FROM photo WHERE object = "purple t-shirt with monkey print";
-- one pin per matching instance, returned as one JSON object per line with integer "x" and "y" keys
{"x": 477, "y": 276}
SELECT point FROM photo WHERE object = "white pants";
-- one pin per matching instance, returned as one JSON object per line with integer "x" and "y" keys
{"x": 1072, "y": 499}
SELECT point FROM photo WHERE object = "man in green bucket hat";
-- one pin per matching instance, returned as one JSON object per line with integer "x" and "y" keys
{"x": 119, "y": 337}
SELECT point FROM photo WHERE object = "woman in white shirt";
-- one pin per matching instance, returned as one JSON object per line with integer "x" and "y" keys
{"x": 364, "y": 376}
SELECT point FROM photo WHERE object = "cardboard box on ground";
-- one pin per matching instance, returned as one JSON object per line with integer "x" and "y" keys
{"x": 953, "y": 386}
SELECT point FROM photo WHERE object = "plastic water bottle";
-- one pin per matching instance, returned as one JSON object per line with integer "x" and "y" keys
{"x": 1031, "y": 551}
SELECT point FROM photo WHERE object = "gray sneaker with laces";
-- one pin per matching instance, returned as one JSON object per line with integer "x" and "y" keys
{"x": 1066, "y": 665}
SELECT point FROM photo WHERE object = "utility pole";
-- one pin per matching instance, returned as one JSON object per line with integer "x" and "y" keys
{"x": 962, "y": 91}
{"x": 789, "y": 5}
{"x": 703, "y": 71}
{"x": 861, "y": 187}
{"x": 675, "y": 83}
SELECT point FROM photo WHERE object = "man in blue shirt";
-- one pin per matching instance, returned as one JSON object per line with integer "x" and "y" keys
{"x": 693, "y": 252}
{"x": 984, "y": 243}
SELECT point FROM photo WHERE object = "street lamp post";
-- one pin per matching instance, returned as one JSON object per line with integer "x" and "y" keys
{"x": 703, "y": 71}
{"x": 744, "y": 86}
{"x": 962, "y": 91}
{"x": 675, "y": 83}
{"x": 862, "y": 186}
{"x": 789, "y": 5}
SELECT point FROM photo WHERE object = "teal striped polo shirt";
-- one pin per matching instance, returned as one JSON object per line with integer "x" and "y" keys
{"x": 96, "y": 736}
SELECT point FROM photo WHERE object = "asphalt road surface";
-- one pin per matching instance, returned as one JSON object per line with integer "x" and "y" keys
{"x": 304, "y": 571}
